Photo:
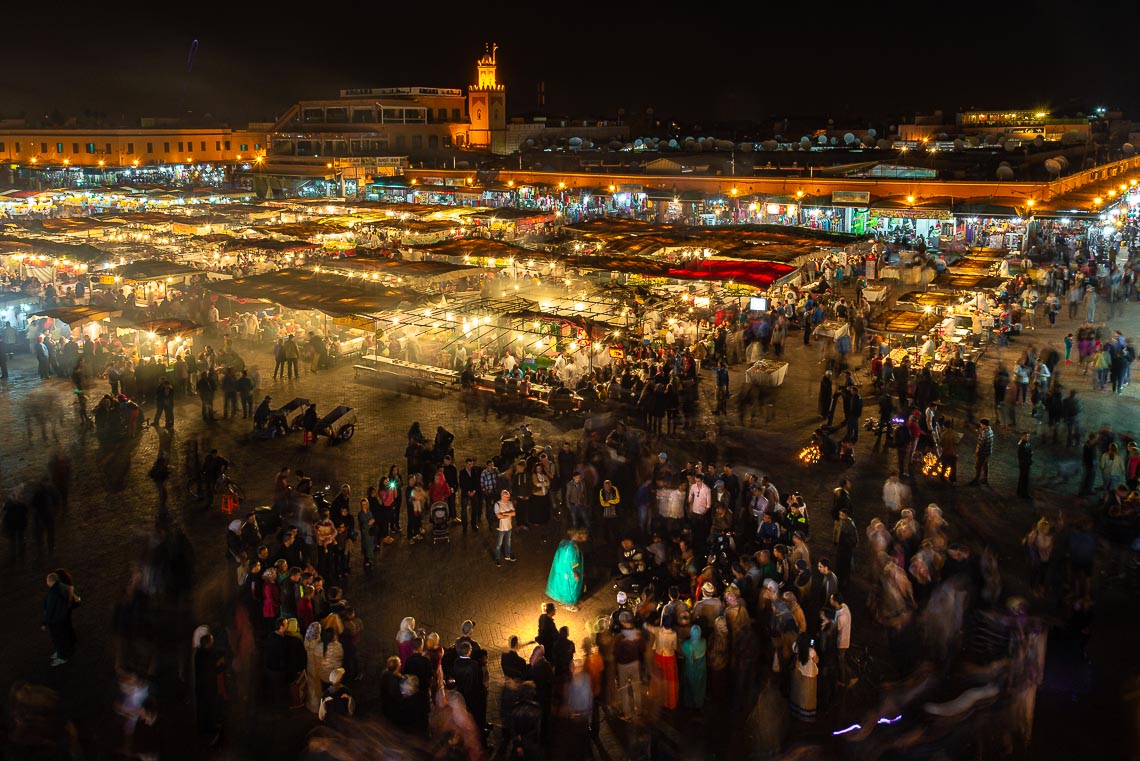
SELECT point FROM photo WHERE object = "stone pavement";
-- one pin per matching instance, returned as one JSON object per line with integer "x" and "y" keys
{"x": 113, "y": 505}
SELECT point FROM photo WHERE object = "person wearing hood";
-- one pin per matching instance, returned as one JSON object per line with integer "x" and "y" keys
{"x": 336, "y": 701}
{"x": 405, "y": 641}
{"x": 694, "y": 674}
{"x": 565, "y": 582}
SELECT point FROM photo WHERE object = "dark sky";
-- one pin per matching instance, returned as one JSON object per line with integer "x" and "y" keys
{"x": 691, "y": 61}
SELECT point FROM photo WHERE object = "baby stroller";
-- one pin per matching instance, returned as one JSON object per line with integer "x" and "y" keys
{"x": 440, "y": 522}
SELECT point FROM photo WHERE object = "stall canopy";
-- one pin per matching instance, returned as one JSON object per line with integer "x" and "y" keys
{"x": 324, "y": 291}
{"x": 419, "y": 271}
{"x": 933, "y": 299}
{"x": 82, "y": 252}
{"x": 967, "y": 282}
{"x": 79, "y": 315}
{"x": 152, "y": 269}
{"x": 901, "y": 321}
{"x": 168, "y": 327}
{"x": 461, "y": 247}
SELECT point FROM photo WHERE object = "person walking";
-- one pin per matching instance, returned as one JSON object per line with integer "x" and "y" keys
{"x": 366, "y": 522}
{"x": 292, "y": 353}
{"x": 244, "y": 387}
{"x": 576, "y": 503}
{"x": 278, "y": 358}
{"x": 1024, "y": 461}
{"x": 982, "y": 451}
{"x": 59, "y": 602}
{"x": 164, "y": 403}
{"x": 505, "y": 513}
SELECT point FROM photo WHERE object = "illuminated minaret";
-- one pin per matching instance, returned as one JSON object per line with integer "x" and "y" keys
{"x": 487, "y": 102}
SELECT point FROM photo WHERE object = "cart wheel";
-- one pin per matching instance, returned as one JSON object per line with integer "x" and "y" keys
{"x": 346, "y": 432}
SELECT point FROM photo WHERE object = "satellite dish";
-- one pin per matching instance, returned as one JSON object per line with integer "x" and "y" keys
{"x": 883, "y": 144}
{"x": 746, "y": 147}
{"x": 1063, "y": 161}
{"x": 1128, "y": 149}
{"x": 872, "y": 132}
{"x": 834, "y": 140}
{"x": 770, "y": 145}
{"x": 1053, "y": 167}
{"x": 805, "y": 140}
{"x": 943, "y": 137}
{"x": 1011, "y": 145}
{"x": 639, "y": 143}
{"x": 576, "y": 141}
{"x": 1039, "y": 141}
{"x": 848, "y": 138}
{"x": 822, "y": 140}
{"x": 673, "y": 143}
{"x": 1003, "y": 163}
{"x": 725, "y": 145}
{"x": 1004, "y": 173}
{"x": 959, "y": 144}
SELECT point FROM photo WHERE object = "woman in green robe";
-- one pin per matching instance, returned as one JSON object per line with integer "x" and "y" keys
{"x": 565, "y": 582}
{"x": 694, "y": 675}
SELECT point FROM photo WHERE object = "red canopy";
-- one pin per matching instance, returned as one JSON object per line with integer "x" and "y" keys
{"x": 759, "y": 274}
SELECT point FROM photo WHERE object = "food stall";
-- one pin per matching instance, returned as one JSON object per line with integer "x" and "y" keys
{"x": 62, "y": 322}
{"x": 146, "y": 280}
{"x": 876, "y": 294}
{"x": 766, "y": 372}
{"x": 158, "y": 340}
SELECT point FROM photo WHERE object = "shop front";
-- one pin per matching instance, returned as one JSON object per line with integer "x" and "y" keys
{"x": 910, "y": 225}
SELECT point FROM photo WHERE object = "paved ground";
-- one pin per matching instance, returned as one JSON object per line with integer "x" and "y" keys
{"x": 113, "y": 506}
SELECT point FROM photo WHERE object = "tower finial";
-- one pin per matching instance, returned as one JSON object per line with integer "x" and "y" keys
{"x": 494, "y": 51}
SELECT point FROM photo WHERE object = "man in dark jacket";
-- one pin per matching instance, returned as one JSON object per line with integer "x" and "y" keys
{"x": 245, "y": 393}
{"x": 164, "y": 403}
{"x": 470, "y": 494}
{"x": 58, "y": 604}
{"x": 547, "y": 630}
{"x": 471, "y": 684}
{"x": 1024, "y": 461}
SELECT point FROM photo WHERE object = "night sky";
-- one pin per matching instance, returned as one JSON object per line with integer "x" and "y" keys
{"x": 692, "y": 63}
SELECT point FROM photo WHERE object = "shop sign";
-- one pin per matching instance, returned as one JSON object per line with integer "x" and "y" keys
{"x": 942, "y": 214}
{"x": 355, "y": 321}
{"x": 106, "y": 280}
{"x": 616, "y": 352}
{"x": 851, "y": 197}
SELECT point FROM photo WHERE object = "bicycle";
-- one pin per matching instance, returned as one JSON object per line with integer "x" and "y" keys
{"x": 224, "y": 486}
{"x": 866, "y": 676}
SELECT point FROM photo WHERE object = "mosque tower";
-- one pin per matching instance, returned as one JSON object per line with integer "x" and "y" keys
{"x": 487, "y": 104}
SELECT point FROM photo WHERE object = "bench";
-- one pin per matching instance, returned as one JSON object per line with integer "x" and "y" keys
{"x": 404, "y": 382}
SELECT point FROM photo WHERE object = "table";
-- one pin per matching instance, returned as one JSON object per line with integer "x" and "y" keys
{"x": 766, "y": 372}
{"x": 876, "y": 293}
{"x": 413, "y": 369}
{"x": 832, "y": 329}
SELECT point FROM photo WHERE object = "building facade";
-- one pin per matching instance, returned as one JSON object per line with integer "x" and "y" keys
{"x": 142, "y": 147}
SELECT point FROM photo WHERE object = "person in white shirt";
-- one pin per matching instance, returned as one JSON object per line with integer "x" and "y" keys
{"x": 505, "y": 513}
{"x": 509, "y": 362}
{"x": 843, "y": 642}
{"x": 896, "y": 494}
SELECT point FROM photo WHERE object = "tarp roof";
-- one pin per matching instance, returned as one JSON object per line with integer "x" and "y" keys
{"x": 932, "y": 299}
{"x": 323, "y": 291}
{"x": 300, "y": 229}
{"x": 901, "y": 321}
{"x": 79, "y": 315}
{"x": 153, "y": 269}
{"x": 967, "y": 281}
{"x": 163, "y": 327}
{"x": 476, "y": 247}
{"x": 430, "y": 271}
{"x": 80, "y": 252}
{"x": 509, "y": 213}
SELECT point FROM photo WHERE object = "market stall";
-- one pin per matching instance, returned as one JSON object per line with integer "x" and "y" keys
{"x": 766, "y": 372}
